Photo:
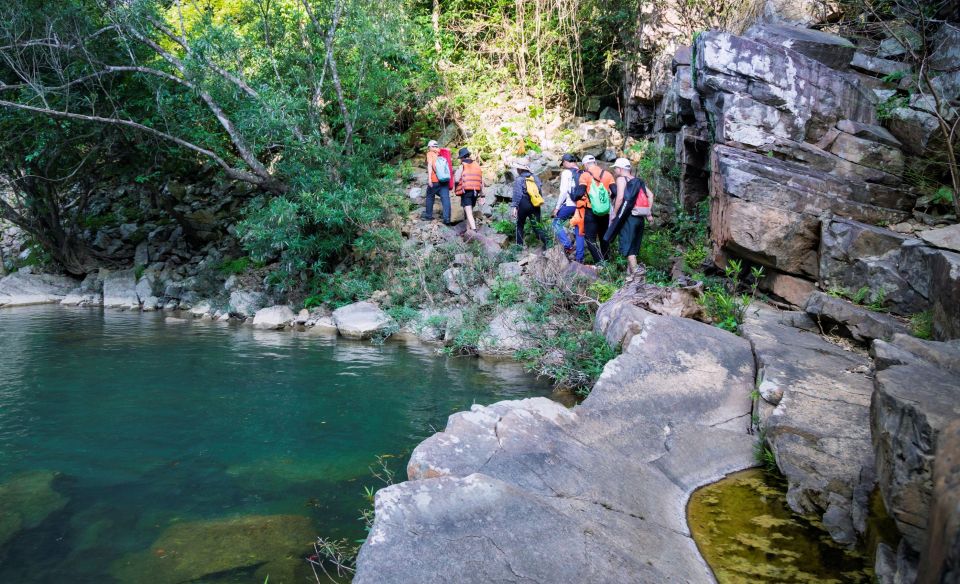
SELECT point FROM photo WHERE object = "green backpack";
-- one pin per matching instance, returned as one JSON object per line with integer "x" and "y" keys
{"x": 599, "y": 197}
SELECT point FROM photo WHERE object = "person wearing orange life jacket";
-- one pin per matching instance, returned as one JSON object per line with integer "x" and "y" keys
{"x": 469, "y": 181}
{"x": 436, "y": 186}
{"x": 593, "y": 225}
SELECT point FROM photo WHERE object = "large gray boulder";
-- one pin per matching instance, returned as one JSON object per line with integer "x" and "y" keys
{"x": 120, "y": 289}
{"x": 273, "y": 317}
{"x": 912, "y": 404}
{"x": 245, "y": 302}
{"x": 668, "y": 415}
{"x": 854, "y": 255}
{"x": 769, "y": 210}
{"x": 940, "y": 557}
{"x": 21, "y": 288}
{"x": 833, "y": 51}
{"x": 508, "y": 332}
{"x": 361, "y": 320}
{"x": 857, "y": 322}
{"x": 808, "y": 98}
{"x": 819, "y": 428}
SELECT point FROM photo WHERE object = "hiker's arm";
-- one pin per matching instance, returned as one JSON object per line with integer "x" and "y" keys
{"x": 517, "y": 193}
{"x": 621, "y": 188}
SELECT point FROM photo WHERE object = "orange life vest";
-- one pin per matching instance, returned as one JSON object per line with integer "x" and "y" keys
{"x": 471, "y": 178}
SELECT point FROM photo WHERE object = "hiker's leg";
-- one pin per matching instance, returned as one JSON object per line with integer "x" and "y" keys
{"x": 538, "y": 228}
{"x": 468, "y": 200}
{"x": 521, "y": 221}
{"x": 428, "y": 204}
{"x": 445, "y": 201}
{"x": 631, "y": 265}
{"x": 563, "y": 214}
{"x": 590, "y": 236}
{"x": 580, "y": 244}
{"x": 468, "y": 213}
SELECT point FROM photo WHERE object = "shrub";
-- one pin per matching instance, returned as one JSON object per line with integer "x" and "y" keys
{"x": 402, "y": 314}
{"x": 602, "y": 290}
{"x": 234, "y": 267}
{"x": 724, "y": 303}
{"x": 506, "y": 292}
{"x": 921, "y": 324}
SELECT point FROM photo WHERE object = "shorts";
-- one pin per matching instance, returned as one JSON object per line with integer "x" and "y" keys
{"x": 469, "y": 198}
{"x": 631, "y": 235}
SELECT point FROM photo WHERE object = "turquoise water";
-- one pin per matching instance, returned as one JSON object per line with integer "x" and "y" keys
{"x": 143, "y": 427}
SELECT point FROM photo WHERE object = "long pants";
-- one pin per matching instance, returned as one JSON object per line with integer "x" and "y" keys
{"x": 594, "y": 226}
{"x": 443, "y": 189}
{"x": 525, "y": 210}
{"x": 565, "y": 213}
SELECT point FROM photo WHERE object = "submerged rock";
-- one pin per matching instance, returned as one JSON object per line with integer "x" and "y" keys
{"x": 26, "y": 499}
{"x": 270, "y": 545}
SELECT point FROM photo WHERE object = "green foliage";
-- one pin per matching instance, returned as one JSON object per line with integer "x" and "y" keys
{"x": 763, "y": 454}
{"x": 235, "y": 267}
{"x": 894, "y": 77}
{"x": 943, "y": 196}
{"x": 921, "y": 325}
{"x": 584, "y": 354}
{"x": 657, "y": 253}
{"x": 506, "y": 292}
{"x": 694, "y": 258}
{"x": 874, "y": 300}
{"x": 602, "y": 290}
{"x": 403, "y": 314}
{"x": 724, "y": 303}
{"x": 886, "y": 108}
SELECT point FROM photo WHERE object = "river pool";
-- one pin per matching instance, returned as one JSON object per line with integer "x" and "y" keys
{"x": 137, "y": 449}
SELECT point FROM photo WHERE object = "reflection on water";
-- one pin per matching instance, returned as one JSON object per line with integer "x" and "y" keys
{"x": 747, "y": 534}
{"x": 143, "y": 434}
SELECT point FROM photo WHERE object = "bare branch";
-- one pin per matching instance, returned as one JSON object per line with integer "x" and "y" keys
{"x": 231, "y": 171}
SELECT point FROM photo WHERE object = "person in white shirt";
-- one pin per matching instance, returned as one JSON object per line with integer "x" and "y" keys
{"x": 566, "y": 207}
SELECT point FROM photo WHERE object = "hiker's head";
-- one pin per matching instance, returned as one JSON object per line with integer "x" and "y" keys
{"x": 433, "y": 146}
{"x": 569, "y": 161}
{"x": 622, "y": 167}
{"x": 589, "y": 160}
{"x": 522, "y": 165}
{"x": 463, "y": 153}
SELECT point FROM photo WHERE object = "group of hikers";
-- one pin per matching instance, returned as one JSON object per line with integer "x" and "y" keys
{"x": 597, "y": 204}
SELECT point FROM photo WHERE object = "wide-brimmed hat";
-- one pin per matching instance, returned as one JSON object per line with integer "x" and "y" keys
{"x": 589, "y": 159}
{"x": 433, "y": 144}
{"x": 463, "y": 153}
{"x": 522, "y": 165}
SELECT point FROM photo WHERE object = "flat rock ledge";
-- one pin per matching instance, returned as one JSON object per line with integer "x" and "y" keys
{"x": 530, "y": 491}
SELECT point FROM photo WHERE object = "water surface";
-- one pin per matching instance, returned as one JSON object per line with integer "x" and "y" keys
{"x": 122, "y": 435}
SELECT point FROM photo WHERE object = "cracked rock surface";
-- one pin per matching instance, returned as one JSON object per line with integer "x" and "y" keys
{"x": 819, "y": 429}
{"x": 529, "y": 491}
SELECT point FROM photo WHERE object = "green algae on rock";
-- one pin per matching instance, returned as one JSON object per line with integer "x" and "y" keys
{"x": 26, "y": 499}
{"x": 746, "y": 533}
{"x": 255, "y": 546}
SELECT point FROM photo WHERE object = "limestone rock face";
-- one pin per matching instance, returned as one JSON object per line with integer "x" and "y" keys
{"x": 940, "y": 557}
{"x": 819, "y": 430}
{"x": 360, "y": 320}
{"x": 667, "y": 416}
{"x": 912, "y": 404}
{"x": 120, "y": 289}
{"x": 854, "y": 321}
{"x": 273, "y": 317}
{"x": 19, "y": 289}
